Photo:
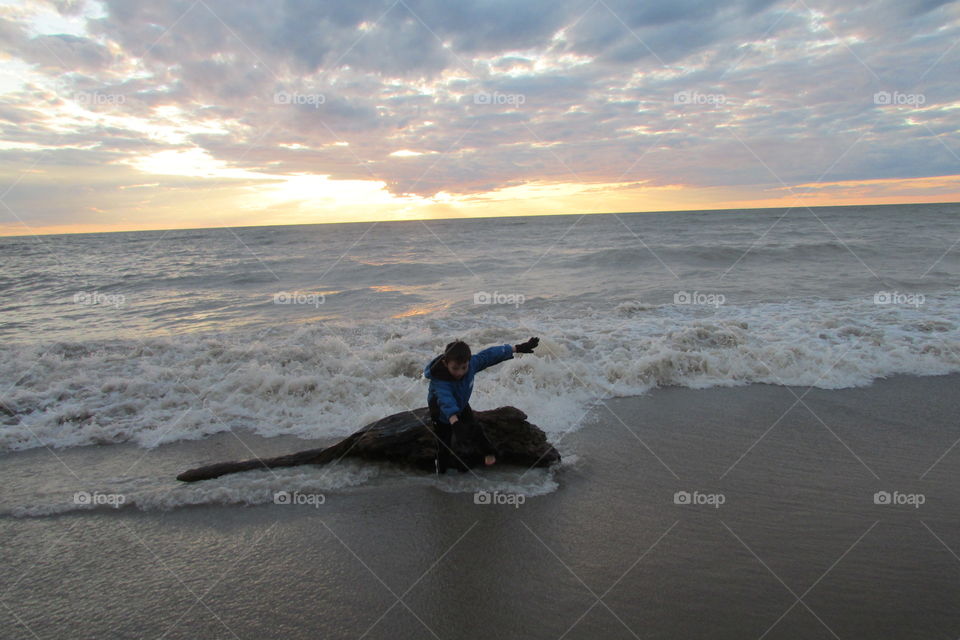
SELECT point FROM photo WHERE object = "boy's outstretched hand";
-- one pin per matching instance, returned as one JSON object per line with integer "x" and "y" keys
{"x": 528, "y": 346}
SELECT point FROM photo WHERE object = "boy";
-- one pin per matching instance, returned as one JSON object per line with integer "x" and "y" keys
{"x": 451, "y": 384}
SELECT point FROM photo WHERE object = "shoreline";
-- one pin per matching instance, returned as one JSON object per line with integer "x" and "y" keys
{"x": 798, "y": 517}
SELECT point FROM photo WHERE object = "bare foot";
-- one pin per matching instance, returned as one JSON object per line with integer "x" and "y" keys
{"x": 489, "y": 460}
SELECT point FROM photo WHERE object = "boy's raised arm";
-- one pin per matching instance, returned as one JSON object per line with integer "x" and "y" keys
{"x": 492, "y": 355}
{"x": 495, "y": 355}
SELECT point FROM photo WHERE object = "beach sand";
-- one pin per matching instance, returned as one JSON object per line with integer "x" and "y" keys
{"x": 797, "y": 549}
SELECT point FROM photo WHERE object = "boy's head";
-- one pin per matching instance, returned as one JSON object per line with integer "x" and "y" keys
{"x": 456, "y": 357}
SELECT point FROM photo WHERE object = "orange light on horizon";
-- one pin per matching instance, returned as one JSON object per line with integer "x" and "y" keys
{"x": 268, "y": 200}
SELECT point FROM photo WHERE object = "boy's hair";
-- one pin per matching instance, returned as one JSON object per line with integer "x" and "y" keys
{"x": 457, "y": 351}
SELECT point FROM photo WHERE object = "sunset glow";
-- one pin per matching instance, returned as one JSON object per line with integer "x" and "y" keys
{"x": 201, "y": 115}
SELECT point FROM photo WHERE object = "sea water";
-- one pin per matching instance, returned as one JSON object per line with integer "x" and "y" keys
{"x": 158, "y": 337}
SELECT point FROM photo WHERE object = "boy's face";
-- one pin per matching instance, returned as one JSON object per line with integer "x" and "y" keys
{"x": 457, "y": 369}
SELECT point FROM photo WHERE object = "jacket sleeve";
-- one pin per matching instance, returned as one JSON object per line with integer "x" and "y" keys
{"x": 448, "y": 403}
{"x": 492, "y": 355}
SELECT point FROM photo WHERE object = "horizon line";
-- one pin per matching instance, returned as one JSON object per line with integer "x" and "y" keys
{"x": 528, "y": 215}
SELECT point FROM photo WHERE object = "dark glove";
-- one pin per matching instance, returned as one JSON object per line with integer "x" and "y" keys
{"x": 528, "y": 346}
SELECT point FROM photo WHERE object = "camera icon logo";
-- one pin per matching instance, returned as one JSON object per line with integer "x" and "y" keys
{"x": 482, "y": 98}
{"x": 681, "y": 497}
{"x": 482, "y": 497}
{"x": 882, "y": 297}
{"x": 681, "y": 97}
{"x": 281, "y": 497}
{"x": 81, "y": 497}
{"x": 481, "y": 297}
{"x": 882, "y": 497}
{"x": 882, "y": 97}
{"x": 682, "y": 297}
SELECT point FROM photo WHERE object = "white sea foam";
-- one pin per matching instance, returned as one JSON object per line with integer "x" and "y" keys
{"x": 149, "y": 494}
{"x": 282, "y": 487}
{"x": 323, "y": 381}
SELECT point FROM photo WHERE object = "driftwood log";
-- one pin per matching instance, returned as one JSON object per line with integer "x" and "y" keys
{"x": 407, "y": 438}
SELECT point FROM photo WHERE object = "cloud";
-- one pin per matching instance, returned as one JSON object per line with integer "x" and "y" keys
{"x": 63, "y": 52}
{"x": 495, "y": 94}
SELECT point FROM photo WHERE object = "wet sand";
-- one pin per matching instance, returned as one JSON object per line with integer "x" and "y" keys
{"x": 781, "y": 537}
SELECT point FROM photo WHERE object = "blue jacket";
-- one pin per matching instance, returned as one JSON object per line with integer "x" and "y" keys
{"x": 453, "y": 395}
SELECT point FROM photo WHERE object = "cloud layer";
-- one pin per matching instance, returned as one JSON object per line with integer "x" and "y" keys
{"x": 477, "y": 96}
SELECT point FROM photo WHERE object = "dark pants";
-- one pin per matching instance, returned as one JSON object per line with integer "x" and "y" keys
{"x": 467, "y": 429}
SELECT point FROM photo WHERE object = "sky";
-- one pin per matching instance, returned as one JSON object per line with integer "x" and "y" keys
{"x": 134, "y": 114}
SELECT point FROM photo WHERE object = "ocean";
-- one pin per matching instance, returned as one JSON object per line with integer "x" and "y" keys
{"x": 158, "y": 337}
{"x": 756, "y": 412}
